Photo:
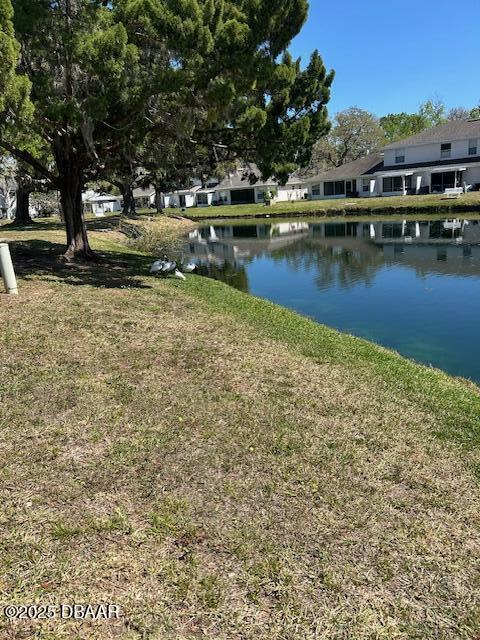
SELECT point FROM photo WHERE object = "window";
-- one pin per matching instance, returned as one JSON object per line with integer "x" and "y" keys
{"x": 260, "y": 196}
{"x": 223, "y": 197}
{"x": 202, "y": 198}
{"x": 472, "y": 147}
{"x": 341, "y": 230}
{"x": 446, "y": 150}
{"x": 441, "y": 181}
{"x": 334, "y": 188}
{"x": 399, "y": 156}
{"x": 366, "y": 185}
{"x": 392, "y": 230}
{"x": 329, "y": 188}
{"x": 316, "y": 190}
{"x": 392, "y": 184}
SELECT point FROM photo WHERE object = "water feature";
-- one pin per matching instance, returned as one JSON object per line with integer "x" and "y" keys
{"x": 413, "y": 286}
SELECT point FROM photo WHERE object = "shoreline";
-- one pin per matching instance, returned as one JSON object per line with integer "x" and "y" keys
{"x": 351, "y": 212}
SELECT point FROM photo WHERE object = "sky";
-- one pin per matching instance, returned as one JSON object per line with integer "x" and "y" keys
{"x": 391, "y": 55}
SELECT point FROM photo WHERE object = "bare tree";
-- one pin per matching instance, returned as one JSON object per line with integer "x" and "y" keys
{"x": 458, "y": 113}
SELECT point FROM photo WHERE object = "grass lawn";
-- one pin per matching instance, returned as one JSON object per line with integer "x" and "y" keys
{"x": 221, "y": 467}
{"x": 427, "y": 203}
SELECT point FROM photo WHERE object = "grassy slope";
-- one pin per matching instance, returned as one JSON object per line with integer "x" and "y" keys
{"x": 223, "y": 468}
{"x": 430, "y": 203}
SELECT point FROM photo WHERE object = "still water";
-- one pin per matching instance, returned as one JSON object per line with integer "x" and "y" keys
{"x": 410, "y": 286}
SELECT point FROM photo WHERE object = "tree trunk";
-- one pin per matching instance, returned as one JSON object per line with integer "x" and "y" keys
{"x": 158, "y": 200}
{"x": 70, "y": 185}
{"x": 133, "y": 206}
{"x": 129, "y": 208}
{"x": 22, "y": 213}
{"x": 72, "y": 207}
{"x": 127, "y": 198}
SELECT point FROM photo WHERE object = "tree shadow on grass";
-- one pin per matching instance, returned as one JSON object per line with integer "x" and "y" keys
{"x": 108, "y": 223}
{"x": 43, "y": 224}
{"x": 35, "y": 259}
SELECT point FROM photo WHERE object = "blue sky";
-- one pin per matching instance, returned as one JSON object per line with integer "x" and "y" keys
{"x": 389, "y": 56}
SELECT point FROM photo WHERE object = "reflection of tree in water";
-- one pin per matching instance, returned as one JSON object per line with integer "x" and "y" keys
{"x": 345, "y": 266}
{"x": 233, "y": 275}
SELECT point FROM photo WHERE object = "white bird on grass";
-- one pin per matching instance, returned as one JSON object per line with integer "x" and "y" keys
{"x": 170, "y": 268}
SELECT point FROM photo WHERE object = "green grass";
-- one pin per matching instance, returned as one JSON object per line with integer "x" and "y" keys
{"x": 221, "y": 467}
{"x": 427, "y": 203}
{"x": 428, "y": 388}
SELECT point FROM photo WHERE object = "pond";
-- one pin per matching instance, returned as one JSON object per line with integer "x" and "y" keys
{"x": 412, "y": 286}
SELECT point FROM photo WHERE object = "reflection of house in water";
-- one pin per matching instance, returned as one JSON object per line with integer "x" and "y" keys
{"x": 223, "y": 252}
{"x": 402, "y": 231}
{"x": 441, "y": 231}
{"x": 421, "y": 245}
{"x": 447, "y": 246}
{"x": 238, "y": 243}
{"x": 346, "y": 252}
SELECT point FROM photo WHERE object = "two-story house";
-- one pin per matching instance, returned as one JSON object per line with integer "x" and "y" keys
{"x": 439, "y": 158}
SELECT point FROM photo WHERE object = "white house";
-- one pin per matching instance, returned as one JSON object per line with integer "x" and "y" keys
{"x": 347, "y": 181}
{"x": 206, "y": 196}
{"x": 100, "y": 204}
{"x": 182, "y": 199}
{"x": 233, "y": 189}
{"x": 144, "y": 197}
{"x": 443, "y": 157}
{"x": 294, "y": 190}
{"x": 236, "y": 188}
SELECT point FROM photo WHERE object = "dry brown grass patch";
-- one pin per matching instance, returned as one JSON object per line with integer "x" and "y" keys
{"x": 215, "y": 484}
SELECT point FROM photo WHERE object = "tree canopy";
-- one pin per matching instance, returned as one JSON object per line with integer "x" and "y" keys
{"x": 13, "y": 88}
{"x": 355, "y": 133}
{"x": 430, "y": 114}
{"x": 402, "y": 125}
{"x": 463, "y": 113}
{"x": 212, "y": 78}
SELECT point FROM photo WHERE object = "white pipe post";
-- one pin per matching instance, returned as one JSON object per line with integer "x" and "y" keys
{"x": 6, "y": 269}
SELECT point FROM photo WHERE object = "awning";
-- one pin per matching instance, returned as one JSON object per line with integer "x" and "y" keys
{"x": 444, "y": 169}
{"x": 103, "y": 199}
{"x": 394, "y": 174}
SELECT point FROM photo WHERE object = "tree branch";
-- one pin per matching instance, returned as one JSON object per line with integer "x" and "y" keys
{"x": 27, "y": 157}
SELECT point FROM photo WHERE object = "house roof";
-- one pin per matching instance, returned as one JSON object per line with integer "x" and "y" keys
{"x": 141, "y": 192}
{"x": 454, "y": 130}
{"x": 240, "y": 179}
{"x": 362, "y": 166}
{"x": 451, "y": 162}
{"x": 185, "y": 192}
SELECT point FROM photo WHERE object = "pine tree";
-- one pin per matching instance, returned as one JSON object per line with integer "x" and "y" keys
{"x": 107, "y": 76}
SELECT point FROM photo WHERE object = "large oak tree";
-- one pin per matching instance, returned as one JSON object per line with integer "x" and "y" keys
{"x": 106, "y": 75}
